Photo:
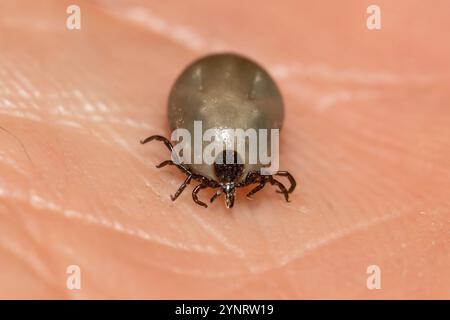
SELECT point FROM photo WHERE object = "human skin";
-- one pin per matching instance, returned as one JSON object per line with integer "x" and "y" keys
{"x": 366, "y": 134}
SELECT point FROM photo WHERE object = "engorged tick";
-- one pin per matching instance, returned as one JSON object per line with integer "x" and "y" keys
{"x": 225, "y": 91}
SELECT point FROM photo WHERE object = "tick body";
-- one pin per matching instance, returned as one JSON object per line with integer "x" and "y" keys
{"x": 222, "y": 92}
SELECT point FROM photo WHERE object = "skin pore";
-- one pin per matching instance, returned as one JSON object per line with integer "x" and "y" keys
{"x": 366, "y": 135}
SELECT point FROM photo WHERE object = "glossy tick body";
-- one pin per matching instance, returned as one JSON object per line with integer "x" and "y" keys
{"x": 225, "y": 91}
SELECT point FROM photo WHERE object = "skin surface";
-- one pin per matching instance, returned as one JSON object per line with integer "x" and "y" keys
{"x": 366, "y": 133}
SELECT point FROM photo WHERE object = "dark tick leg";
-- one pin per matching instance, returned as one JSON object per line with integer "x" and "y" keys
{"x": 195, "y": 195}
{"x": 283, "y": 189}
{"x": 179, "y": 166}
{"x": 256, "y": 189}
{"x": 159, "y": 138}
{"x": 214, "y": 197}
{"x": 204, "y": 181}
{"x": 181, "y": 188}
{"x": 256, "y": 177}
{"x": 169, "y": 146}
{"x": 165, "y": 163}
{"x": 290, "y": 178}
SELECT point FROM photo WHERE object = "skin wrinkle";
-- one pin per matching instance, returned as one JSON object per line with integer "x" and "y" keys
{"x": 240, "y": 287}
{"x": 29, "y": 266}
{"x": 359, "y": 226}
{"x": 174, "y": 269}
{"x": 330, "y": 238}
{"x": 24, "y": 256}
{"x": 44, "y": 275}
{"x": 323, "y": 100}
{"x": 324, "y": 188}
{"x": 12, "y": 165}
{"x": 30, "y": 161}
{"x": 211, "y": 274}
{"x": 41, "y": 262}
{"x": 144, "y": 161}
{"x": 24, "y": 83}
{"x": 40, "y": 267}
{"x": 281, "y": 71}
{"x": 179, "y": 34}
{"x": 321, "y": 243}
{"x": 291, "y": 71}
{"x": 219, "y": 237}
{"x": 238, "y": 253}
{"x": 19, "y": 142}
{"x": 32, "y": 116}
{"x": 77, "y": 94}
{"x": 374, "y": 171}
{"x": 42, "y": 204}
{"x": 376, "y": 151}
{"x": 69, "y": 123}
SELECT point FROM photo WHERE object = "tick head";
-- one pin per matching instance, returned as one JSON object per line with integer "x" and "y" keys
{"x": 228, "y": 167}
{"x": 229, "y": 190}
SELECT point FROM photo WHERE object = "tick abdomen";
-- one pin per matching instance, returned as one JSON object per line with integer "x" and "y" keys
{"x": 225, "y": 91}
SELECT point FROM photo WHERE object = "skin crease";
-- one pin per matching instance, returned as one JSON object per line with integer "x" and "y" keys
{"x": 366, "y": 135}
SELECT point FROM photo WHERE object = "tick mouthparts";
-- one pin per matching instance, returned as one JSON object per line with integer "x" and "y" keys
{"x": 229, "y": 200}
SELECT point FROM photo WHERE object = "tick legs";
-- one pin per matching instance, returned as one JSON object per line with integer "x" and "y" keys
{"x": 181, "y": 188}
{"x": 282, "y": 190}
{"x": 252, "y": 177}
{"x": 204, "y": 181}
{"x": 263, "y": 179}
{"x": 195, "y": 194}
{"x": 214, "y": 197}
{"x": 169, "y": 146}
{"x": 179, "y": 166}
{"x": 159, "y": 138}
{"x": 256, "y": 189}
{"x": 290, "y": 178}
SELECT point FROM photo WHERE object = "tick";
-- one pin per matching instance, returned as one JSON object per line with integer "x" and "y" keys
{"x": 225, "y": 91}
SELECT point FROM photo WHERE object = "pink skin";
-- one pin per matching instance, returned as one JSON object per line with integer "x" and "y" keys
{"x": 366, "y": 135}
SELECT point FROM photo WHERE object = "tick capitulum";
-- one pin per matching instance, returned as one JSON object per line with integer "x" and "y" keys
{"x": 228, "y": 168}
{"x": 225, "y": 91}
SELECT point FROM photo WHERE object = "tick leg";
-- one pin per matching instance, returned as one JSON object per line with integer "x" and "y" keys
{"x": 205, "y": 182}
{"x": 252, "y": 177}
{"x": 195, "y": 195}
{"x": 181, "y": 188}
{"x": 167, "y": 143}
{"x": 170, "y": 162}
{"x": 283, "y": 189}
{"x": 256, "y": 189}
{"x": 159, "y": 138}
{"x": 214, "y": 197}
{"x": 290, "y": 178}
